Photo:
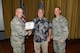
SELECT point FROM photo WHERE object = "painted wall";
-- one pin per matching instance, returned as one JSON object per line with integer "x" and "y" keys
{"x": 1, "y": 17}
{"x": 2, "y": 33}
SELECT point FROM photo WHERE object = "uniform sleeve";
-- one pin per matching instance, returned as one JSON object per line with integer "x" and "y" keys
{"x": 20, "y": 29}
{"x": 65, "y": 30}
{"x": 52, "y": 23}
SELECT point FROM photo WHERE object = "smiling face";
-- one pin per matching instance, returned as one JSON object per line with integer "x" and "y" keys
{"x": 57, "y": 11}
{"x": 19, "y": 12}
{"x": 40, "y": 13}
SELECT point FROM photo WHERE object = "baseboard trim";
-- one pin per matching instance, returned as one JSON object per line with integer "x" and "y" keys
{"x": 1, "y": 30}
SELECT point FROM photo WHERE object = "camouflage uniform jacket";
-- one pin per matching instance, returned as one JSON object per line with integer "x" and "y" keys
{"x": 17, "y": 31}
{"x": 60, "y": 28}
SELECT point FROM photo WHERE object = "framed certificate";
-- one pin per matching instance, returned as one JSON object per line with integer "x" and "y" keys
{"x": 29, "y": 25}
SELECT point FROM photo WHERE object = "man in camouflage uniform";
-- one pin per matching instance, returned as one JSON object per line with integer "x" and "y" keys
{"x": 60, "y": 31}
{"x": 18, "y": 32}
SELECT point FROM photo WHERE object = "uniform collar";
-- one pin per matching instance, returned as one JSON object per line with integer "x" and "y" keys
{"x": 18, "y": 18}
{"x": 59, "y": 17}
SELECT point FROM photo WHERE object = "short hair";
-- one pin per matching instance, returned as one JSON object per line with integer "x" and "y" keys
{"x": 18, "y": 9}
{"x": 41, "y": 9}
{"x": 58, "y": 7}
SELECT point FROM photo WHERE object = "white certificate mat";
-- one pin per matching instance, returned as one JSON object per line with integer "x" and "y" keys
{"x": 29, "y": 25}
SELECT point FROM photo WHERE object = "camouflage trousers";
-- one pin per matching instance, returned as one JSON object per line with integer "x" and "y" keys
{"x": 18, "y": 48}
{"x": 59, "y": 47}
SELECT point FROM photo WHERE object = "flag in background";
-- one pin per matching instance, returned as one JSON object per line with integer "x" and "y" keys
{"x": 22, "y": 6}
{"x": 41, "y": 4}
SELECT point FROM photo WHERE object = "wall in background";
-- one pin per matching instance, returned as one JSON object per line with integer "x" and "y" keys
{"x": 9, "y": 7}
{"x": 1, "y": 17}
{"x": 70, "y": 9}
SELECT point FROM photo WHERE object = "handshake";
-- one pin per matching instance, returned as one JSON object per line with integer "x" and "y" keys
{"x": 29, "y": 32}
